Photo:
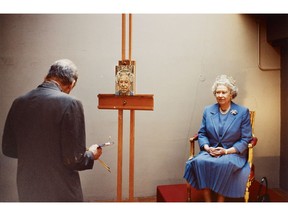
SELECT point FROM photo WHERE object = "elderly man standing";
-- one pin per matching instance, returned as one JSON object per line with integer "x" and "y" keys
{"x": 45, "y": 131}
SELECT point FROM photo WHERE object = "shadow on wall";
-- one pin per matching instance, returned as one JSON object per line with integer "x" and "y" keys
{"x": 270, "y": 169}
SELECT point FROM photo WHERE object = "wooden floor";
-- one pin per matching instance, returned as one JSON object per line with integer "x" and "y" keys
{"x": 136, "y": 199}
{"x": 145, "y": 199}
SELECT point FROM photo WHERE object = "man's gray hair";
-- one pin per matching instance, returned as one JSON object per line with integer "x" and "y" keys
{"x": 64, "y": 70}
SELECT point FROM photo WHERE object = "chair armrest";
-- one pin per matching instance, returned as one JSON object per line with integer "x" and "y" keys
{"x": 194, "y": 138}
{"x": 253, "y": 142}
{"x": 251, "y": 145}
{"x": 192, "y": 145}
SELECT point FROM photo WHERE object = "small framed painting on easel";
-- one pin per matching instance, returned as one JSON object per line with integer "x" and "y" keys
{"x": 125, "y": 78}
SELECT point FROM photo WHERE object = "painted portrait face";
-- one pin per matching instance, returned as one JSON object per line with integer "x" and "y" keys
{"x": 223, "y": 95}
{"x": 124, "y": 84}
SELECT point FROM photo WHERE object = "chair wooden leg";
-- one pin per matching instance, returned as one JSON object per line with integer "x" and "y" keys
{"x": 188, "y": 192}
{"x": 246, "y": 195}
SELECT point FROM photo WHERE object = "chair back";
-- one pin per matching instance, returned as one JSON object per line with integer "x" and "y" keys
{"x": 252, "y": 120}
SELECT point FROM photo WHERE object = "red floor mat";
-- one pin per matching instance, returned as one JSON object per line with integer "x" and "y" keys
{"x": 178, "y": 193}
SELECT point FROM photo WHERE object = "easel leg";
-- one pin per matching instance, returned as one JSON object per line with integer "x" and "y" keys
{"x": 120, "y": 150}
{"x": 131, "y": 159}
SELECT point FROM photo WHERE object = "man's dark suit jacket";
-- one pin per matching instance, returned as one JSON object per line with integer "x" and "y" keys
{"x": 45, "y": 130}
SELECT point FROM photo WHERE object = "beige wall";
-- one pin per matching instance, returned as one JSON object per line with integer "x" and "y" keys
{"x": 177, "y": 60}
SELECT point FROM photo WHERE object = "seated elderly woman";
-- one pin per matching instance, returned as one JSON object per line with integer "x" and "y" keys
{"x": 221, "y": 165}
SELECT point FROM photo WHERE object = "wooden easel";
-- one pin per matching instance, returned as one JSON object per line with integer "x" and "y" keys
{"x": 131, "y": 103}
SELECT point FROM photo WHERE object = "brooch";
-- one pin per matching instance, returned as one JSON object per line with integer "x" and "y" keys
{"x": 233, "y": 112}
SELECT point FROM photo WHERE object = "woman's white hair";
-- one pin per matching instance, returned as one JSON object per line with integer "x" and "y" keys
{"x": 227, "y": 81}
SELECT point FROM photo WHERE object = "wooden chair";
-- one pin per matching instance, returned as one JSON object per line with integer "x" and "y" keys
{"x": 251, "y": 145}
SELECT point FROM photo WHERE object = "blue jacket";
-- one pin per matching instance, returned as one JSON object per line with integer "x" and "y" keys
{"x": 237, "y": 131}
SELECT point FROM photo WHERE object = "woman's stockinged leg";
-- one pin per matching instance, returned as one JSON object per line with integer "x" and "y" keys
{"x": 207, "y": 195}
{"x": 220, "y": 198}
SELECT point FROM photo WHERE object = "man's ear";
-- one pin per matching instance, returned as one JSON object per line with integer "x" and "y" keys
{"x": 67, "y": 88}
{"x": 73, "y": 84}
{"x": 70, "y": 87}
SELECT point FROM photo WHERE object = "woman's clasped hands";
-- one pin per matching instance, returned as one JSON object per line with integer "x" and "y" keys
{"x": 215, "y": 151}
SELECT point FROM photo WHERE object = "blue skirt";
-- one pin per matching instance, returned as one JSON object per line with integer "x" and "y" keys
{"x": 226, "y": 175}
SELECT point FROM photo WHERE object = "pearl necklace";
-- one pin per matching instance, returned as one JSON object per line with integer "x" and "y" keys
{"x": 224, "y": 112}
